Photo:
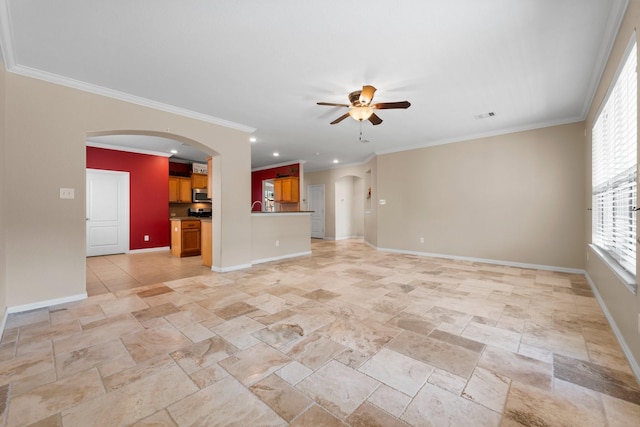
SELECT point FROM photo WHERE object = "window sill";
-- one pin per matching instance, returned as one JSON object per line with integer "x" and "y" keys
{"x": 625, "y": 277}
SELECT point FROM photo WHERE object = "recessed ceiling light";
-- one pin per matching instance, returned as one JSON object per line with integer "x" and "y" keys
{"x": 253, "y": 139}
{"x": 335, "y": 160}
{"x": 317, "y": 154}
{"x": 174, "y": 151}
{"x": 276, "y": 154}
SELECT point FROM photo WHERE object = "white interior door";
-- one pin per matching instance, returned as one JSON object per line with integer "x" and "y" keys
{"x": 107, "y": 212}
{"x": 315, "y": 203}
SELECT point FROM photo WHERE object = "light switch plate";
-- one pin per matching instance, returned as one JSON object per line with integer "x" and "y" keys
{"x": 67, "y": 193}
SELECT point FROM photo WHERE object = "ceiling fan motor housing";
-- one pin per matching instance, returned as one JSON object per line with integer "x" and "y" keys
{"x": 354, "y": 98}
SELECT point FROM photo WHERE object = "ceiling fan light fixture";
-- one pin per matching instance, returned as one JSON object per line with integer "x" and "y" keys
{"x": 361, "y": 113}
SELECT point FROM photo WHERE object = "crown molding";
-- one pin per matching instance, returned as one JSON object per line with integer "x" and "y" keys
{"x": 471, "y": 137}
{"x": 122, "y": 96}
{"x": 293, "y": 162}
{"x": 612, "y": 28}
{"x": 6, "y": 37}
{"x": 127, "y": 149}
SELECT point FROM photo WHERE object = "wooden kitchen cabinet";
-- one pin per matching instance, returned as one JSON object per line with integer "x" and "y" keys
{"x": 199, "y": 180}
{"x": 179, "y": 189}
{"x": 185, "y": 237}
{"x": 286, "y": 190}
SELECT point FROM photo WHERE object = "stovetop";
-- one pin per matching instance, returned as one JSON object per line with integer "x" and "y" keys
{"x": 200, "y": 212}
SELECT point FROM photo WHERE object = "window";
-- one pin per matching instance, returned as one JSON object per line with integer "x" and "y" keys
{"x": 614, "y": 168}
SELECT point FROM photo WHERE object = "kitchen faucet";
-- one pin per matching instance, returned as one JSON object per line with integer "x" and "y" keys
{"x": 254, "y": 203}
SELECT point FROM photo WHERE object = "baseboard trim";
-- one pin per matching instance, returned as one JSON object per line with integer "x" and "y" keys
{"x": 616, "y": 331}
{"x": 232, "y": 268}
{"x": 278, "y": 258}
{"x": 145, "y": 250}
{"x": 45, "y": 303}
{"x": 488, "y": 261}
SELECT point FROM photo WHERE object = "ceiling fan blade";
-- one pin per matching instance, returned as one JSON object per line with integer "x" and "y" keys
{"x": 374, "y": 119}
{"x": 339, "y": 119}
{"x": 366, "y": 94}
{"x": 389, "y": 105}
{"x": 331, "y": 104}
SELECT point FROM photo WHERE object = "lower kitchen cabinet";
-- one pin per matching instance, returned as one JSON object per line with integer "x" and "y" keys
{"x": 185, "y": 237}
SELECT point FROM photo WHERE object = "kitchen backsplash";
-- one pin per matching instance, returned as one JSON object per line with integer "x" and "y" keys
{"x": 182, "y": 209}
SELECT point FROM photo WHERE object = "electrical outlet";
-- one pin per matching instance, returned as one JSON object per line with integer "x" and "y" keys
{"x": 422, "y": 240}
{"x": 146, "y": 237}
{"x": 277, "y": 243}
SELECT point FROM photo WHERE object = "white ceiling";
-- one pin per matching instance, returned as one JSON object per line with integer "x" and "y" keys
{"x": 263, "y": 65}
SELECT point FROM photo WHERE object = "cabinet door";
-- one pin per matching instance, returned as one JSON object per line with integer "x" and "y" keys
{"x": 190, "y": 241}
{"x": 174, "y": 189}
{"x": 185, "y": 190}
{"x": 199, "y": 180}
{"x": 277, "y": 190}
{"x": 286, "y": 190}
{"x": 294, "y": 190}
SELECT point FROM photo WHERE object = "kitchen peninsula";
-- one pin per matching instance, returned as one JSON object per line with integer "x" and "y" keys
{"x": 279, "y": 235}
{"x": 274, "y": 236}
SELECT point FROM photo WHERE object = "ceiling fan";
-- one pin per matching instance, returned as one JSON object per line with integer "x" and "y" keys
{"x": 361, "y": 108}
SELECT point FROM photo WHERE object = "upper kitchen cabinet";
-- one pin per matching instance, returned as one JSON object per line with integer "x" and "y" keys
{"x": 179, "y": 189}
{"x": 286, "y": 190}
{"x": 199, "y": 180}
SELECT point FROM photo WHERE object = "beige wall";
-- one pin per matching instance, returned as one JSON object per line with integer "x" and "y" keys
{"x": 622, "y": 306}
{"x": 289, "y": 230}
{"x": 364, "y": 175}
{"x": 46, "y": 127}
{"x": 3, "y": 213}
{"x": 517, "y": 198}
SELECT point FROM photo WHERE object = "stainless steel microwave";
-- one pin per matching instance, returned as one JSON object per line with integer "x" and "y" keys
{"x": 199, "y": 195}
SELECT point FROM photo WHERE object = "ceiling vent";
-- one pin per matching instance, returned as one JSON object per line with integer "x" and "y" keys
{"x": 484, "y": 116}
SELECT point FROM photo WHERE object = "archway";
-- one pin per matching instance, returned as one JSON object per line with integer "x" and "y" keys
{"x": 349, "y": 207}
{"x": 145, "y": 157}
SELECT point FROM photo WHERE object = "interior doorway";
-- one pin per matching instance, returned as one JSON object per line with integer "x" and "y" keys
{"x": 315, "y": 203}
{"x": 349, "y": 207}
{"x": 107, "y": 212}
{"x": 268, "y": 198}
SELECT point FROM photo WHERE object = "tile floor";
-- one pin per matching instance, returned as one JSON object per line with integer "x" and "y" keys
{"x": 346, "y": 336}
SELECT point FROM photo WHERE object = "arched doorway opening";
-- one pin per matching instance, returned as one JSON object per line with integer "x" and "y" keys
{"x": 349, "y": 207}
{"x": 146, "y": 157}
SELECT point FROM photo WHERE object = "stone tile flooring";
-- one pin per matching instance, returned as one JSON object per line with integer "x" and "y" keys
{"x": 346, "y": 336}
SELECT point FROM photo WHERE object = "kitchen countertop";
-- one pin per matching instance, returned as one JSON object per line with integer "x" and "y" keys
{"x": 281, "y": 212}
{"x": 189, "y": 218}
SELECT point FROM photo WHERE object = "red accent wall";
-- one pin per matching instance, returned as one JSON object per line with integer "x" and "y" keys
{"x": 149, "y": 194}
{"x": 258, "y": 176}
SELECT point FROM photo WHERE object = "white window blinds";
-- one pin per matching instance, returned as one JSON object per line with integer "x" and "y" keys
{"x": 614, "y": 168}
